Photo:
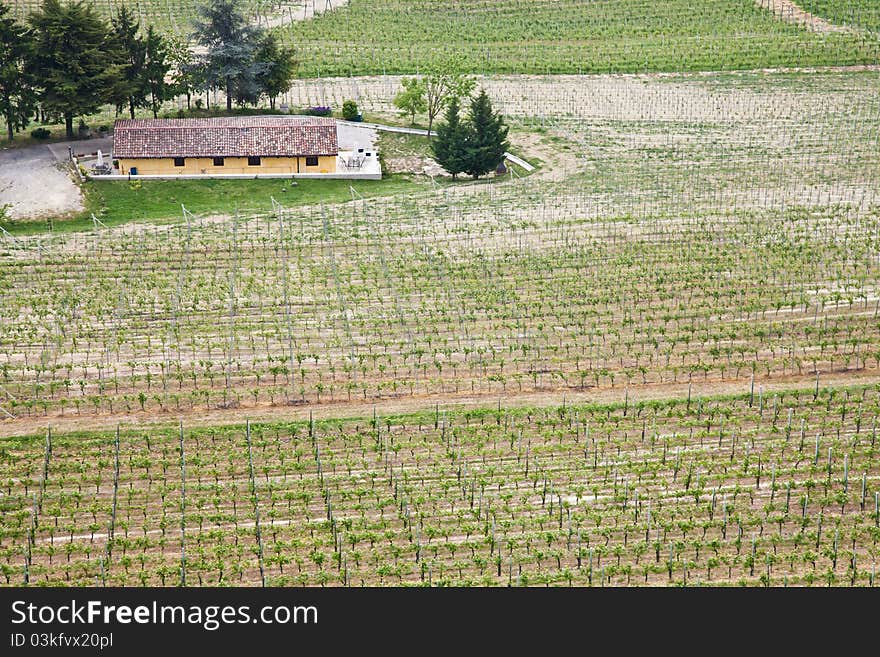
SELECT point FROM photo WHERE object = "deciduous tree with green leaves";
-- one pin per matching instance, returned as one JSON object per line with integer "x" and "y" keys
{"x": 433, "y": 91}
{"x": 186, "y": 73}
{"x": 442, "y": 84}
{"x": 17, "y": 94}
{"x": 411, "y": 99}
{"x": 279, "y": 67}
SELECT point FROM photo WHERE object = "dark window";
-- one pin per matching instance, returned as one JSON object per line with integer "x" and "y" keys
{"x": 178, "y": 161}
{"x": 218, "y": 161}
{"x": 254, "y": 161}
{"x": 311, "y": 160}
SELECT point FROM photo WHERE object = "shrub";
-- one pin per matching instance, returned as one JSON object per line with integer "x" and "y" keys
{"x": 319, "y": 110}
{"x": 41, "y": 133}
{"x": 350, "y": 111}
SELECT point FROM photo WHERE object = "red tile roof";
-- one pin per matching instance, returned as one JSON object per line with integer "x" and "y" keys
{"x": 235, "y": 136}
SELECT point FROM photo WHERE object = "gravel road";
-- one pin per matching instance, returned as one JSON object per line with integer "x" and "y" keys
{"x": 34, "y": 184}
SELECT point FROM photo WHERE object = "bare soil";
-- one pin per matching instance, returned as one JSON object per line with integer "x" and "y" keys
{"x": 302, "y": 10}
{"x": 791, "y": 12}
{"x": 86, "y": 421}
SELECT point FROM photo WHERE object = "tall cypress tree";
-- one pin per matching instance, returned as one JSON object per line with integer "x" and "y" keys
{"x": 75, "y": 59}
{"x": 451, "y": 143}
{"x": 17, "y": 97}
{"x": 487, "y": 141}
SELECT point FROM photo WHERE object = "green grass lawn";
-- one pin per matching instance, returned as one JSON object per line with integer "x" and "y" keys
{"x": 157, "y": 199}
{"x": 119, "y": 202}
{"x": 393, "y": 144}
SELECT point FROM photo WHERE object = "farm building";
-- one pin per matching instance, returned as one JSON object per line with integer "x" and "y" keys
{"x": 249, "y": 145}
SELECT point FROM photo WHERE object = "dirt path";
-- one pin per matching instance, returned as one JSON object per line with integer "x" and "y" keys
{"x": 302, "y": 10}
{"x": 790, "y": 12}
{"x": 403, "y": 405}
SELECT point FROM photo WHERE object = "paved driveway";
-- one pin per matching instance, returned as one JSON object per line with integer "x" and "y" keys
{"x": 352, "y": 136}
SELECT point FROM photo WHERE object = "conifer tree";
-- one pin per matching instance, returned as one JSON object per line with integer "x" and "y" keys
{"x": 450, "y": 144}
{"x": 17, "y": 96}
{"x": 232, "y": 43}
{"x": 131, "y": 88}
{"x": 75, "y": 58}
{"x": 156, "y": 67}
{"x": 487, "y": 138}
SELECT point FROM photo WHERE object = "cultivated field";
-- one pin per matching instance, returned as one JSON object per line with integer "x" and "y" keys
{"x": 364, "y": 37}
{"x": 673, "y": 252}
{"x": 745, "y": 490}
{"x": 674, "y": 248}
{"x": 653, "y": 361}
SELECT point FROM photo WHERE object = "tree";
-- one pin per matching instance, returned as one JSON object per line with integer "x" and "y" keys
{"x": 441, "y": 86}
{"x": 183, "y": 68}
{"x": 131, "y": 87}
{"x": 411, "y": 100}
{"x": 450, "y": 146}
{"x": 17, "y": 97}
{"x": 350, "y": 110}
{"x": 279, "y": 68}
{"x": 487, "y": 139}
{"x": 232, "y": 44}
{"x": 156, "y": 67}
{"x": 72, "y": 58}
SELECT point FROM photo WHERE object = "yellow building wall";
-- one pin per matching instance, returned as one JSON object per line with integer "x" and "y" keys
{"x": 231, "y": 165}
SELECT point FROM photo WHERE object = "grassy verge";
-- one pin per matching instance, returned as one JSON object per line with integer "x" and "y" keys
{"x": 399, "y": 145}
{"x": 394, "y": 144}
{"x": 119, "y": 202}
